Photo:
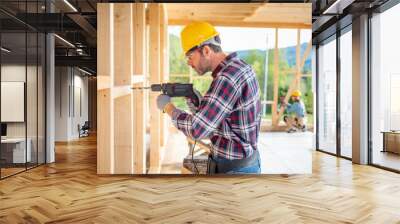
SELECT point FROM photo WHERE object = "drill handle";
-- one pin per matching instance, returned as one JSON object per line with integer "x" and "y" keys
{"x": 195, "y": 99}
{"x": 185, "y": 90}
{"x": 177, "y": 90}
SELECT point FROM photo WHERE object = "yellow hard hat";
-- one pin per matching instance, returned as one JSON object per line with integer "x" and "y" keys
{"x": 296, "y": 93}
{"x": 196, "y": 33}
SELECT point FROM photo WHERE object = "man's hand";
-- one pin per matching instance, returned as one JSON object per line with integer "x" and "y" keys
{"x": 164, "y": 104}
{"x": 190, "y": 104}
{"x": 162, "y": 101}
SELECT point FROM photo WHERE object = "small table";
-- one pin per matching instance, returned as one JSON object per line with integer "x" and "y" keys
{"x": 391, "y": 141}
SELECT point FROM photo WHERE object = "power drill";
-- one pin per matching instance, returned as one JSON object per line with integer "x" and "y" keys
{"x": 175, "y": 90}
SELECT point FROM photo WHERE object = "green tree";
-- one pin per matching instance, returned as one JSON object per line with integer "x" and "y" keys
{"x": 177, "y": 63}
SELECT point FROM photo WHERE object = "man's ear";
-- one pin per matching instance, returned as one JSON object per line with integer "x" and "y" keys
{"x": 206, "y": 50}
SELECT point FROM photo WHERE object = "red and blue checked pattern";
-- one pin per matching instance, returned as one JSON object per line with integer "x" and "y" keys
{"x": 229, "y": 113}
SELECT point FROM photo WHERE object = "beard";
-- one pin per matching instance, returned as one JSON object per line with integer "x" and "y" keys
{"x": 204, "y": 67}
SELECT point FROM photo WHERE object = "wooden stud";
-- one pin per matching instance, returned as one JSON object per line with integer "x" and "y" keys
{"x": 276, "y": 81}
{"x": 154, "y": 63}
{"x": 123, "y": 103}
{"x": 163, "y": 67}
{"x": 139, "y": 29}
{"x": 298, "y": 69}
{"x": 166, "y": 64}
{"x": 147, "y": 71}
{"x": 306, "y": 54}
{"x": 105, "y": 132}
{"x": 123, "y": 44}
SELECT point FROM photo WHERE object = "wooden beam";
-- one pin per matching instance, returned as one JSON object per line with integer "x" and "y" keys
{"x": 121, "y": 91}
{"x": 123, "y": 44}
{"x": 266, "y": 12}
{"x": 105, "y": 132}
{"x": 306, "y": 54}
{"x": 297, "y": 79}
{"x": 205, "y": 7}
{"x": 254, "y": 13}
{"x": 139, "y": 29}
{"x": 232, "y": 23}
{"x": 137, "y": 78}
{"x": 139, "y": 147}
{"x": 123, "y": 104}
{"x": 276, "y": 80}
{"x": 163, "y": 67}
{"x": 155, "y": 115}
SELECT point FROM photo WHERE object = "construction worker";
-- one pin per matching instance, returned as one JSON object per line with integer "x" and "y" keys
{"x": 296, "y": 118}
{"x": 229, "y": 113}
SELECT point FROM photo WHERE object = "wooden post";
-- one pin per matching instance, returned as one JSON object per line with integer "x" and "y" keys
{"x": 276, "y": 82}
{"x": 164, "y": 67}
{"x": 139, "y": 29}
{"x": 105, "y": 63}
{"x": 306, "y": 54}
{"x": 123, "y": 101}
{"x": 155, "y": 115}
{"x": 298, "y": 69}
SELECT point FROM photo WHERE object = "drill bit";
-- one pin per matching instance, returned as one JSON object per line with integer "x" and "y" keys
{"x": 147, "y": 87}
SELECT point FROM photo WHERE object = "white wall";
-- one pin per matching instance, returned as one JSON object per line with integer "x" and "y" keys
{"x": 71, "y": 94}
{"x": 12, "y": 73}
{"x": 79, "y": 115}
{"x": 33, "y": 126}
{"x": 62, "y": 82}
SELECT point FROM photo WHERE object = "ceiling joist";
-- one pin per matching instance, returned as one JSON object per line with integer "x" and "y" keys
{"x": 246, "y": 24}
{"x": 262, "y": 15}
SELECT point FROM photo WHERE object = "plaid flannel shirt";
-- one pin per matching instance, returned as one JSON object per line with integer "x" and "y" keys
{"x": 229, "y": 113}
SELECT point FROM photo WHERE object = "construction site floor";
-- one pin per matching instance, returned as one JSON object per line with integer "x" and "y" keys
{"x": 281, "y": 152}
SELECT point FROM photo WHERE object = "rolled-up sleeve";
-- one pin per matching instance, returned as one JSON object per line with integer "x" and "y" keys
{"x": 216, "y": 105}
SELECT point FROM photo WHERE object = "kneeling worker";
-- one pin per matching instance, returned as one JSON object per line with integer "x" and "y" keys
{"x": 296, "y": 110}
{"x": 229, "y": 113}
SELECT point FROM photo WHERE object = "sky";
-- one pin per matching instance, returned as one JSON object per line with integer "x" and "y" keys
{"x": 236, "y": 39}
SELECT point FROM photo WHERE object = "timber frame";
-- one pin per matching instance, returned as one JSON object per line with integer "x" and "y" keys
{"x": 133, "y": 52}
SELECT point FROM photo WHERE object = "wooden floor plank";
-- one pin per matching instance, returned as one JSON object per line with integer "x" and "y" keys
{"x": 70, "y": 191}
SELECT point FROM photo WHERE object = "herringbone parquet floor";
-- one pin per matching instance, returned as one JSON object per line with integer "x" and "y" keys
{"x": 69, "y": 191}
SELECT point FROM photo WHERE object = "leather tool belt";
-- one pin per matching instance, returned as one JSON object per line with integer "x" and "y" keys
{"x": 224, "y": 167}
